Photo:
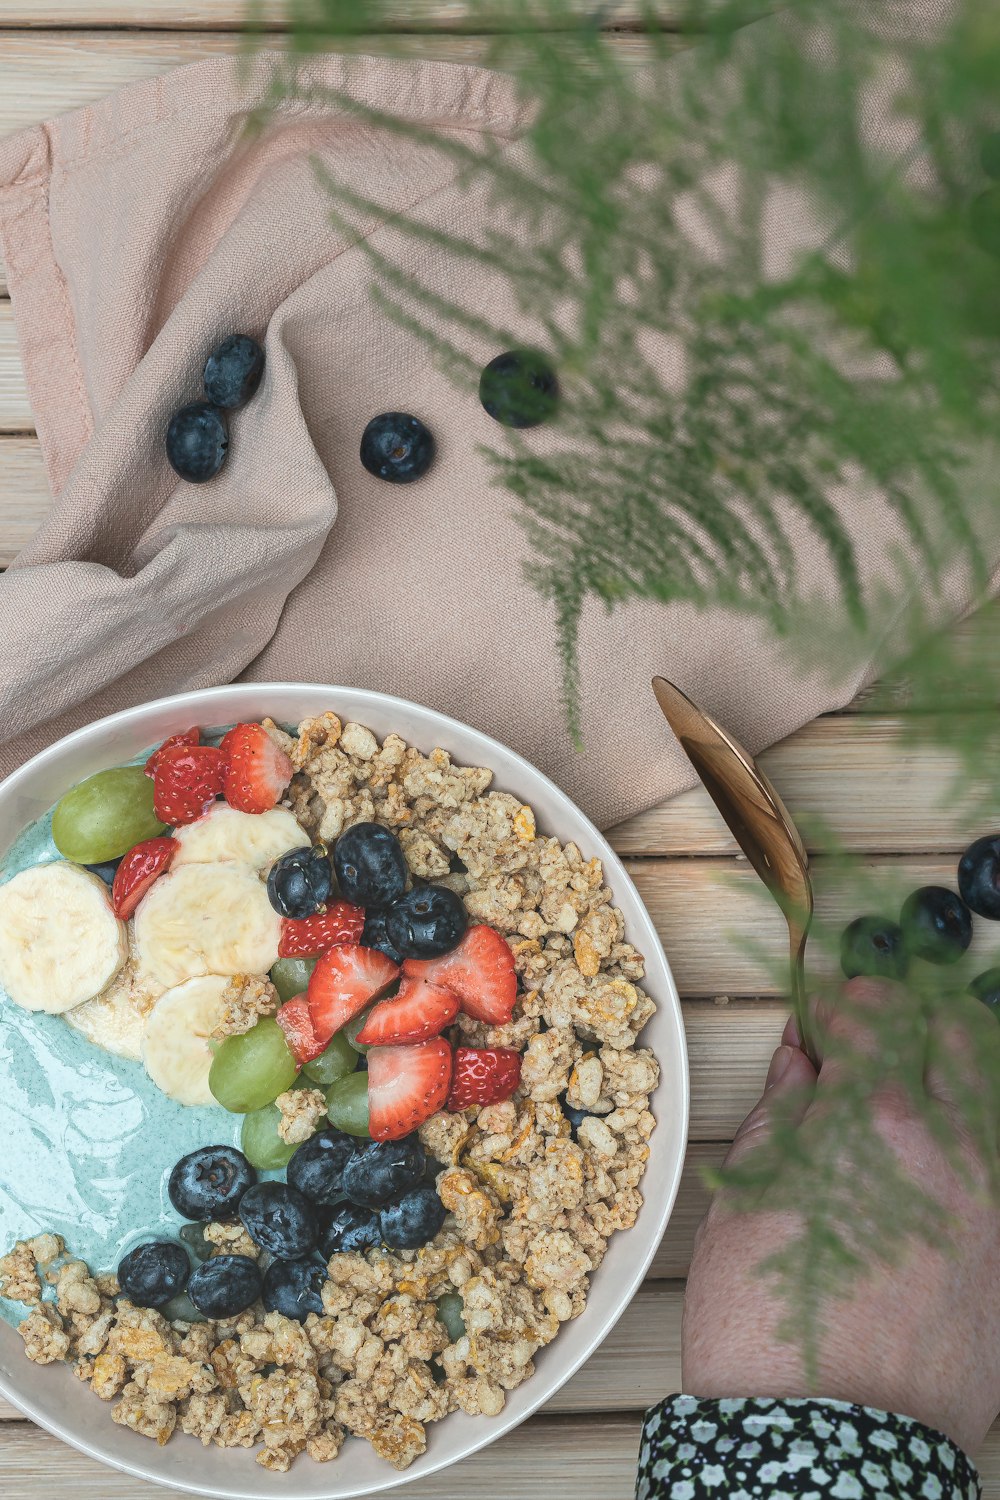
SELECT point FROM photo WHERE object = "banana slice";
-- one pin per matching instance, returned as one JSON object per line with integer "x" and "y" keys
{"x": 206, "y": 919}
{"x": 60, "y": 942}
{"x": 175, "y": 1047}
{"x": 115, "y": 1019}
{"x": 224, "y": 834}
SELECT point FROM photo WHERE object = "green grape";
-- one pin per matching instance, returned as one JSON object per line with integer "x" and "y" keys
{"x": 353, "y": 1027}
{"x": 106, "y": 815}
{"x": 347, "y": 1104}
{"x": 450, "y": 1311}
{"x": 290, "y": 976}
{"x": 339, "y": 1060}
{"x": 261, "y": 1143}
{"x": 251, "y": 1070}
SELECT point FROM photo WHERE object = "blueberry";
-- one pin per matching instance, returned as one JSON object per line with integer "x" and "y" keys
{"x": 292, "y": 1288}
{"x": 152, "y": 1273}
{"x": 233, "y": 371}
{"x": 197, "y": 442}
{"x": 413, "y": 1220}
{"x": 317, "y": 1167}
{"x": 397, "y": 447}
{"x": 225, "y": 1286}
{"x": 105, "y": 872}
{"x": 379, "y": 1171}
{"x": 519, "y": 388}
{"x": 575, "y": 1116}
{"x": 937, "y": 925}
{"x": 300, "y": 883}
{"x": 376, "y": 936}
{"x": 370, "y": 865}
{"x": 426, "y": 922}
{"x": 873, "y": 946}
{"x": 279, "y": 1219}
{"x": 979, "y": 876}
{"x": 986, "y": 987}
{"x": 209, "y": 1183}
{"x": 347, "y": 1227}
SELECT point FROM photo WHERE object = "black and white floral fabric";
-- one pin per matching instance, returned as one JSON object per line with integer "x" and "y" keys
{"x": 758, "y": 1448}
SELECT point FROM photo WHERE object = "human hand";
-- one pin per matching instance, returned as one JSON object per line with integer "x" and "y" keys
{"x": 919, "y": 1337}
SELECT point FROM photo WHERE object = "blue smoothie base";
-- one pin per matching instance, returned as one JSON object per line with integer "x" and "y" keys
{"x": 87, "y": 1140}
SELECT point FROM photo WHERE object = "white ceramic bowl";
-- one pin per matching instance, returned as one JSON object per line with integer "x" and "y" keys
{"x": 53, "y": 1398}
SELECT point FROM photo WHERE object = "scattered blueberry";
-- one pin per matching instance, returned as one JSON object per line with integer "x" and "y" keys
{"x": 519, "y": 388}
{"x": 397, "y": 447}
{"x": 376, "y": 936}
{"x": 152, "y": 1273}
{"x": 233, "y": 371}
{"x": 370, "y": 865}
{"x": 575, "y": 1116}
{"x": 379, "y": 1171}
{"x": 979, "y": 876}
{"x": 279, "y": 1219}
{"x": 986, "y": 987}
{"x": 293, "y": 1287}
{"x": 937, "y": 925}
{"x": 873, "y": 946}
{"x": 197, "y": 442}
{"x": 347, "y": 1227}
{"x": 413, "y": 1220}
{"x": 300, "y": 883}
{"x": 105, "y": 872}
{"x": 316, "y": 1169}
{"x": 225, "y": 1286}
{"x": 209, "y": 1183}
{"x": 426, "y": 922}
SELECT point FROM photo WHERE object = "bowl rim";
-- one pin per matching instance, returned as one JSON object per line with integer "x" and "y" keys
{"x": 500, "y": 1426}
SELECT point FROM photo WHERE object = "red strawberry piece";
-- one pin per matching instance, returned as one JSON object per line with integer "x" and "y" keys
{"x": 483, "y": 1075}
{"x": 419, "y": 1010}
{"x": 343, "y": 982}
{"x": 406, "y": 1085}
{"x": 480, "y": 971}
{"x": 257, "y": 770}
{"x": 136, "y": 873}
{"x": 188, "y": 737}
{"x": 301, "y": 937}
{"x": 296, "y": 1022}
{"x": 187, "y": 781}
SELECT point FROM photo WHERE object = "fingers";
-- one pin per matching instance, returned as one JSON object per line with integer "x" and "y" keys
{"x": 870, "y": 1034}
{"x": 789, "y": 1089}
{"x": 963, "y": 1069}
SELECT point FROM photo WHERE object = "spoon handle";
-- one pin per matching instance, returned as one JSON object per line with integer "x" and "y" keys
{"x": 797, "y": 935}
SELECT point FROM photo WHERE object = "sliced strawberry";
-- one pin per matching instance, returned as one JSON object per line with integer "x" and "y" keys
{"x": 406, "y": 1085}
{"x": 480, "y": 971}
{"x": 188, "y": 737}
{"x": 483, "y": 1075}
{"x": 296, "y": 1022}
{"x": 136, "y": 873}
{"x": 419, "y": 1010}
{"x": 257, "y": 770}
{"x": 301, "y": 937}
{"x": 187, "y": 781}
{"x": 343, "y": 982}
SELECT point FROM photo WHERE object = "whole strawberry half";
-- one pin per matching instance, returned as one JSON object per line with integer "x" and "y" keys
{"x": 480, "y": 971}
{"x": 343, "y": 982}
{"x": 302, "y": 937}
{"x": 136, "y": 873}
{"x": 187, "y": 780}
{"x": 483, "y": 1075}
{"x": 186, "y": 737}
{"x": 419, "y": 1010}
{"x": 406, "y": 1085}
{"x": 296, "y": 1022}
{"x": 257, "y": 770}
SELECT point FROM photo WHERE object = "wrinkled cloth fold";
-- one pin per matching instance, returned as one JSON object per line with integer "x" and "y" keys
{"x": 139, "y": 232}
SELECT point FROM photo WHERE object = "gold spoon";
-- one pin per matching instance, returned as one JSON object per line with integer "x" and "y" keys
{"x": 759, "y": 822}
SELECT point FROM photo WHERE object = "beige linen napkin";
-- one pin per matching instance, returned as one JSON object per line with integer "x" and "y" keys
{"x": 139, "y": 232}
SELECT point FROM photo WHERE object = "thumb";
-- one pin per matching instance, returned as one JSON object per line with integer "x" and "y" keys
{"x": 788, "y": 1089}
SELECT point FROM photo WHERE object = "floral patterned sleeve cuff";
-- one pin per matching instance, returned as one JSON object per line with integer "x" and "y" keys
{"x": 758, "y": 1448}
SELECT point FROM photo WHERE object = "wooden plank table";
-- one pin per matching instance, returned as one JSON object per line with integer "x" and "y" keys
{"x": 846, "y": 769}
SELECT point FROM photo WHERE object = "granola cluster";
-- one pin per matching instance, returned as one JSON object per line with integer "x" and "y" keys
{"x": 531, "y": 1203}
